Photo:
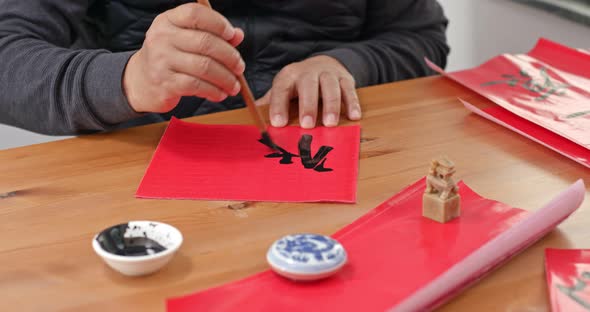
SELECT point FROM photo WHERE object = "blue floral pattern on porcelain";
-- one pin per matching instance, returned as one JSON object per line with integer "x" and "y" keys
{"x": 306, "y": 254}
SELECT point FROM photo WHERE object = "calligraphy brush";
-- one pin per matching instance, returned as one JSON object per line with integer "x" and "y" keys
{"x": 250, "y": 102}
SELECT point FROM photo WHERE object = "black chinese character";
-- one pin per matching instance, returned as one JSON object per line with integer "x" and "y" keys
{"x": 316, "y": 162}
{"x": 543, "y": 89}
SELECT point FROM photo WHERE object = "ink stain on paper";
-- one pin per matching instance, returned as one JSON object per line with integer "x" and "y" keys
{"x": 268, "y": 142}
{"x": 286, "y": 157}
{"x": 574, "y": 292}
{"x": 307, "y": 160}
{"x": 578, "y": 114}
{"x": 316, "y": 162}
{"x": 544, "y": 87}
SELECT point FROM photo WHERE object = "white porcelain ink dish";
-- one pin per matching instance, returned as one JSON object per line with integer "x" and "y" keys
{"x": 306, "y": 257}
{"x": 137, "y": 247}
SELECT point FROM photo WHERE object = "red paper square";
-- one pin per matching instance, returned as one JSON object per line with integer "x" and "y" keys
{"x": 226, "y": 162}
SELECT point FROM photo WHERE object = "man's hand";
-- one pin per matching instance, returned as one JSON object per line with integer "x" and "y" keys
{"x": 188, "y": 51}
{"x": 307, "y": 80}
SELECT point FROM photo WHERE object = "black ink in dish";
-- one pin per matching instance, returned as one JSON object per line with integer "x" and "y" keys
{"x": 113, "y": 240}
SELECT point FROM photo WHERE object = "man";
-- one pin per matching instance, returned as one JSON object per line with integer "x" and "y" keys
{"x": 78, "y": 66}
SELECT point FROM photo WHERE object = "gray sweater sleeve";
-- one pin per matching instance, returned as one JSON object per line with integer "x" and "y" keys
{"x": 396, "y": 38}
{"x": 45, "y": 85}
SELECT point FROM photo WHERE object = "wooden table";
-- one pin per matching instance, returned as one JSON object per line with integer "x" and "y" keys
{"x": 60, "y": 194}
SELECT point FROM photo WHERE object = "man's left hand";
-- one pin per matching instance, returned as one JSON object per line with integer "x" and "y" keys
{"x": 308, "y": 80}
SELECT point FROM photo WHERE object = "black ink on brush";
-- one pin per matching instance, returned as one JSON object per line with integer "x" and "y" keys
{"x": 113, "y": 240}
{"x": 267, "y": 141}
{"x": 308, "y": 161}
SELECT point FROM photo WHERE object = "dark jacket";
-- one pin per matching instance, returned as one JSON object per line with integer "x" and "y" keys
{"x": 61, "y": 62}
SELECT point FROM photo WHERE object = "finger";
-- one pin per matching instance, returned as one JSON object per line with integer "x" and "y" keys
{"x": 238, "y": 38}
{"x": 197, "y": 16}
{"x": 331, "y": 99}
{"x": 265, "y": 100}
{"x": 185, "y": 85}
{"x": 351, "y": 100}
{"x": 204, "y": 43}
{"x": 281, "y": 93}
{"x": 205, "y": 68}
{"x": 308, "y": 92}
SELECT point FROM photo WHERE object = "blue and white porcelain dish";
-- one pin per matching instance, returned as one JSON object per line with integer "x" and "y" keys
{"x": 306, "y": 256}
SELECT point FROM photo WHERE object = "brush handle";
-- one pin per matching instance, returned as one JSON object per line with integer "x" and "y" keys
{"x": 246, "y": 92}
{"x": 251, "y": 104}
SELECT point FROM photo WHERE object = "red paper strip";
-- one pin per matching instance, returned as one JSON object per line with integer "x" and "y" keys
{"x": 497, "y": 251}
{"x": 393, "y": 251}
{"x": 226, "y": 162}
{"x": 549, "y": 86}
{"x": 568, "y": 279}
{"x": 534, "y": 132}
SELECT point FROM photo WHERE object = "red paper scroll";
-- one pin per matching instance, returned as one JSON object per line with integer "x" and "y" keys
{"x": 393, "y": 251}
{"x": 226, "y": 162}
{"x": 543, "y": 95}
{"x": 568, "y": 279}
{"x": 549, "y": 86}
{"x": 399, "y": 260}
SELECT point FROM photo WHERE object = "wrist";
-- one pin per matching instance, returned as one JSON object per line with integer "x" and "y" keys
{"x": 129, "y": 82}
{"x": 103, "y": 88}
{"x": 354, "y": 63}
{"x": 327, "y": 60}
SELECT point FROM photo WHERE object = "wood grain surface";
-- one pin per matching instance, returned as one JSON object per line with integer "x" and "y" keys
{"x": 56, "y": 196}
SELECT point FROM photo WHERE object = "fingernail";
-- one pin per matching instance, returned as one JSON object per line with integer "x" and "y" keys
{"x": 307, "y": 122}
{"x": 330, "y": 120}
{"x": 221, "y": 97}
{"x": 278, "y": 121}
{"x": 228, "y": 33}
{"x": 355, "y": 114}
{"x": 241, "y": 67}
{"x": 236, "y": 89}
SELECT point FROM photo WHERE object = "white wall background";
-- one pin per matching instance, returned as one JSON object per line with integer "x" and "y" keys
{"x": 13, "y": 137}
{"x": 479, "y": 30}
{"x": 482, "y": 29}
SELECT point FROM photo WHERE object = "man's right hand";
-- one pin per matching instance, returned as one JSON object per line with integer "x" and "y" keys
{"x": 188, "y": 51}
